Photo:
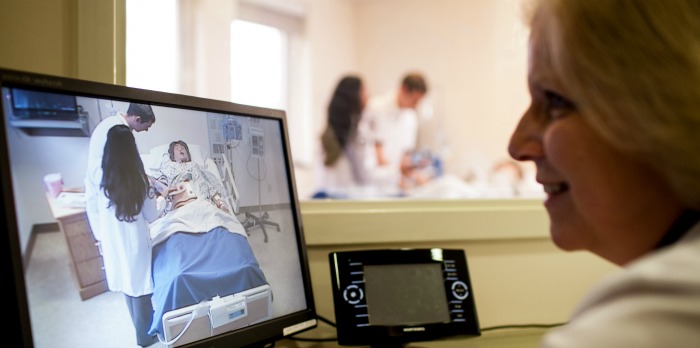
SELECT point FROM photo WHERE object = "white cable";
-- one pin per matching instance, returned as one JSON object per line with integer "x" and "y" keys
{"x": 195, "y": 312}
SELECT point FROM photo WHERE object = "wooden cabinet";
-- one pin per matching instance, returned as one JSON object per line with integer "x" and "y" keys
{"x": 85, "y": 260}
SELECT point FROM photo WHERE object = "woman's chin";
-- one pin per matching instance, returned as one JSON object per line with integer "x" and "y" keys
{"x": 564, "y": 238}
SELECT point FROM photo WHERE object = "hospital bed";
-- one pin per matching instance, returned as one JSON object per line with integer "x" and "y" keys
{"x": 217, "y": 316}
{"x": 200, "y": 294}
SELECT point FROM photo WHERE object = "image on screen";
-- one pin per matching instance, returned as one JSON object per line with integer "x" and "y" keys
{"x": 409, "y": 294}
{"x": 205, "y": 284}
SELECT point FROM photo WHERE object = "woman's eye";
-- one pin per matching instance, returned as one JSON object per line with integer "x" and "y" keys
{"x": 557, "y": 106}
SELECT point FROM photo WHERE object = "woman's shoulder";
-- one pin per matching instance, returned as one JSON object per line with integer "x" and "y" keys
{"x": 655, "y": 299}
{"x": 654, "y": 282}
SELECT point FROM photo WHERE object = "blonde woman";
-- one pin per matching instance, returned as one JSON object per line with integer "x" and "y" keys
{"x": 614, "y": 131}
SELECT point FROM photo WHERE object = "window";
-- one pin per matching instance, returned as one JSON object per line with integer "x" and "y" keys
{"x": 239, "y": 50}
{"x": 151, "y": 44}
{"x": 258, "y": 65}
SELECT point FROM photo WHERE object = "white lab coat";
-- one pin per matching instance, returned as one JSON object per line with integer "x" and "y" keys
{"x": 396, "y": 128}
{"x": 356, "y": 173}
{"x": 653, "y": 302}
{"x": 125, "y": 246}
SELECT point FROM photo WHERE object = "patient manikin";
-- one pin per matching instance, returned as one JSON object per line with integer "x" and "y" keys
{"x": 187, "y": 180}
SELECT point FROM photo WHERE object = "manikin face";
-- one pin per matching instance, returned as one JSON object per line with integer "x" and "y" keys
{"x": 598, "y": 199}
{"x": 180, "y": 154}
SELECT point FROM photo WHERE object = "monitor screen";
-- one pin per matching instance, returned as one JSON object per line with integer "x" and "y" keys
{"x": 225, "y": 263}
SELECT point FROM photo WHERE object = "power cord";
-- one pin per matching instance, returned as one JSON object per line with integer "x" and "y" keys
{"x": 305, "y": 339}
{"x": 489, "y": 328}
{"x": 521, "y": 326}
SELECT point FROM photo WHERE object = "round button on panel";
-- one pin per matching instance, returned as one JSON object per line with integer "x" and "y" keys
{"x": 353, "y": 294}
{"x": 460, "y": 290}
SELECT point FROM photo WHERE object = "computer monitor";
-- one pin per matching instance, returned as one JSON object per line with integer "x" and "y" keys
{"x": 61, "y": 294}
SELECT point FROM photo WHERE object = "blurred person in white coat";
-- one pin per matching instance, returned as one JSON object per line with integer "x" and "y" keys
{"x": 393, "y": 120}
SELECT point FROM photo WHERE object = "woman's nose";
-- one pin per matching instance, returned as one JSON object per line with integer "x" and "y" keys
{"x": 526, "y": 141}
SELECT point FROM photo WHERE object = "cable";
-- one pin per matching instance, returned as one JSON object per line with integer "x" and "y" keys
{"x": 325, "y": 320}
{"x": 490, "y": 328}
{"x": 523, "y": 326}
{"x": 330, "y": 339}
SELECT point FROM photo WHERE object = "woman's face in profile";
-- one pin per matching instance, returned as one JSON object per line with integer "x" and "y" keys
{"x": 595, "y": 194}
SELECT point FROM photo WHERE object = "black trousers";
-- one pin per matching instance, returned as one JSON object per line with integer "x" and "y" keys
{"x": 141, "y": 312}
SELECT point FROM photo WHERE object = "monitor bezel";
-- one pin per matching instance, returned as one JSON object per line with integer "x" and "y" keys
{"x": 252, "y": 336}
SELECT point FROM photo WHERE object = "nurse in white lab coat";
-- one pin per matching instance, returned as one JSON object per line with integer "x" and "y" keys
{"x": 123, "y": 235}
{"x": 392, "y": 120}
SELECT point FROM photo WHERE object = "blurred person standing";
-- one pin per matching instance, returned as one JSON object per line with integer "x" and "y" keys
{"x": 347, "y": 162}
{"x": 393, "y": 120}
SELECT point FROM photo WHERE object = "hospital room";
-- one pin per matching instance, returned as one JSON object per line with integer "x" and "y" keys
{"x": 473, "y": 55}
{"x": 241, "y": 157}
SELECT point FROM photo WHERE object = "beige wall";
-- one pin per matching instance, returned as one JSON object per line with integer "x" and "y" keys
{"x": 74, "y": 38}
{"x": 39, "y": 36}
{"x": 518, "y": 275}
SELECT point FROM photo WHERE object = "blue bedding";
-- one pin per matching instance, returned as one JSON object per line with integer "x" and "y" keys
{"x": 192, "y": 267}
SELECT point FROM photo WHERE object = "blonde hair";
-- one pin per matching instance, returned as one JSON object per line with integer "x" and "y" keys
{"x": 634, "y": 67}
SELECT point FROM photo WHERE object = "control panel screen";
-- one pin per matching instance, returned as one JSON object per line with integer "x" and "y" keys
{"x": 406, "y": 294}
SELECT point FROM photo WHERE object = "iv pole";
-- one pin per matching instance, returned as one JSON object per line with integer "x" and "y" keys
{"x": 262, "y": 219}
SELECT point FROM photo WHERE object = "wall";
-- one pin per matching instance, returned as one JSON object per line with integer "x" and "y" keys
{"x": 42, "y": 35}
{"x": 518, "y": 275}
{"x": 73, "y": 38}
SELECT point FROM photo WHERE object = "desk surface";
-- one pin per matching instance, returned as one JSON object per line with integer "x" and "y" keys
{"x": 504, "y": 338}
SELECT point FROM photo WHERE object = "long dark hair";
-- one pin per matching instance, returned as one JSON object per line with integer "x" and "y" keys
{"x": 344, "y": 113}
{"x": 124, "y": 179}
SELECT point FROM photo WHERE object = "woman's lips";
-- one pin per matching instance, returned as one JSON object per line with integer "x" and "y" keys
{"x": 553, "y": 192}
{"x": 557, "y": 188}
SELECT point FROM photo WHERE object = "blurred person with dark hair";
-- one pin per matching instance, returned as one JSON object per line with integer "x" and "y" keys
{"x": 343, "y": 144}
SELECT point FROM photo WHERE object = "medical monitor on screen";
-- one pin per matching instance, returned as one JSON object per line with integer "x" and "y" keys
{"x": 229, "y": 265}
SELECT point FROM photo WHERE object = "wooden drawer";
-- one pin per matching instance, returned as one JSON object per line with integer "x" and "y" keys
{"x": 85, "y": 259}
{"x": 90, "y": 272}
{"x": 76, "y": 225}
{"x": 82, "y": 247}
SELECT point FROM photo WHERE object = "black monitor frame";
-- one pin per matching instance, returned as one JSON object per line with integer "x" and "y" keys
{"x": 256, "y": 335}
